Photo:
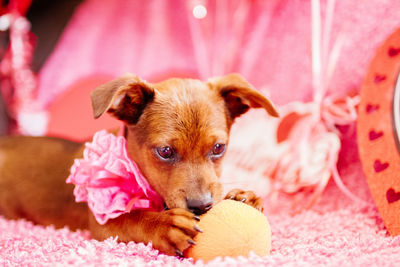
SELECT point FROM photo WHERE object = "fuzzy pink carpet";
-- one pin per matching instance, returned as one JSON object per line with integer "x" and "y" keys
{"x": 345, "y": 235}
{"x": 335, "y": 232}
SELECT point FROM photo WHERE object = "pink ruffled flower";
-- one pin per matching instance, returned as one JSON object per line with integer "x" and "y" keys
{"x": 308, "y": 151}
{"x": 109, "y": 181}
{"x": 296, "y": 153}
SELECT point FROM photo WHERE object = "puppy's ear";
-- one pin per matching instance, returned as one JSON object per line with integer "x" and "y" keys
{"x": 240, "y": 95}
{"x": 125, "y": 98}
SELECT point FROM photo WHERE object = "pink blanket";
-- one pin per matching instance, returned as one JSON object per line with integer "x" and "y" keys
{"x": 336, "y": 233}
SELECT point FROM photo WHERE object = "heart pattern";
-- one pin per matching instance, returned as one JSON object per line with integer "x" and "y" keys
{"x": 371, "y": 108}
{"x": 392, "y": 196}
{"x": 379, "y": 166}
{"x": 379, "y": 78}
{"x": 393, "y": 51}
{"x": 374, "y": 135}
{"x": 378, "y": 151}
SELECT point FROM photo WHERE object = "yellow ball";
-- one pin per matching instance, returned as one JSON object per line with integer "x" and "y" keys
{"x": 231, "y": 228}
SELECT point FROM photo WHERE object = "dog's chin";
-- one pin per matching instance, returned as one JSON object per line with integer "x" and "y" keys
{"x": 168, "y": 205}
{"x": 192, "y": 211}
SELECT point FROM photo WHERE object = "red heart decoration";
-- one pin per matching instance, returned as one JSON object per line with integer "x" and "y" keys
{"x": 371, "y": 108}
{"x": 374, "y": 135}
{"x": 379, "y": 78}
{"x": 376, "y": 139}
{"x": 393, "y": 51}
{"x": 379, "y": 166}
{"x": 392, "y": 196}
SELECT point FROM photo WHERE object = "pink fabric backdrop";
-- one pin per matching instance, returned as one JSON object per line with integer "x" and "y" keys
{"x": 267, "y": 41}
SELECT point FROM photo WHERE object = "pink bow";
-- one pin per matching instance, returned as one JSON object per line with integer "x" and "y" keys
{"x": 109, "y": 181}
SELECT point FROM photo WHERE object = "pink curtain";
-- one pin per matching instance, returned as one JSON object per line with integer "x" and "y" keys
{"x": 269, "y": 42}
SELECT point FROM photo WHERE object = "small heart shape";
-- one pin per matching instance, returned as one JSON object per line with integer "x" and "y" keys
{"x": 379, "y": 166}
{"x": 374, "y": 135}
{"x": 379, "y": 78}
{"x": 393, "y": 51}
{"x": 392, "y": 196}
{"x": 371, "y": 108}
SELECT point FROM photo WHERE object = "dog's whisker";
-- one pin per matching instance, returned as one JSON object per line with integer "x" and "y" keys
{"x": 235, "y": 182}
{"x": 232, "y": 183}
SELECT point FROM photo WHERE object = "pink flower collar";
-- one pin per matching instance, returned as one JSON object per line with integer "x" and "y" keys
{"x": 109, "y": 181}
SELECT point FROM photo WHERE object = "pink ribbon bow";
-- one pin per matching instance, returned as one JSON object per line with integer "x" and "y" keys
{"x": 109, "y": 181}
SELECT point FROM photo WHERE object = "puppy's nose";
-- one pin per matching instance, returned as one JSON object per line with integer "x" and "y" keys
{"x": 200, "y": 205}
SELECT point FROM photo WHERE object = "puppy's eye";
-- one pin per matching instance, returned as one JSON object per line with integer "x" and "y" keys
{"x": 218, "y": 150}
{"x": 165, "y": 153}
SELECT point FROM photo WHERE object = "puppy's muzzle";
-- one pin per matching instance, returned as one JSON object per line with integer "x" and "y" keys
{"x": 200, "y": 205}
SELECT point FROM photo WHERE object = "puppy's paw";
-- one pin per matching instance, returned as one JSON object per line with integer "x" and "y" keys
{"x": 176, "y": 229}
{"x": 248, "y": 197}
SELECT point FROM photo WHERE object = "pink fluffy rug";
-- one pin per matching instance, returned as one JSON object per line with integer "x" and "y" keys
{"x": 345, "y": 235}
{"x": 335, "y": 232}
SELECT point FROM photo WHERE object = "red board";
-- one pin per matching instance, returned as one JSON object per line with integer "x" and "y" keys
{"x": 376, "y": 131}
{"x": 71, "y": 114}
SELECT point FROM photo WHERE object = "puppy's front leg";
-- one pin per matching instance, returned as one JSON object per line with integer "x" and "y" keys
{"x": 170, "y": 231}
{"x": 248, "y": 197}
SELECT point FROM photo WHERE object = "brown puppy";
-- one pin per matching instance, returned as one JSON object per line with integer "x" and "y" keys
{"x": 177, "y": 132}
